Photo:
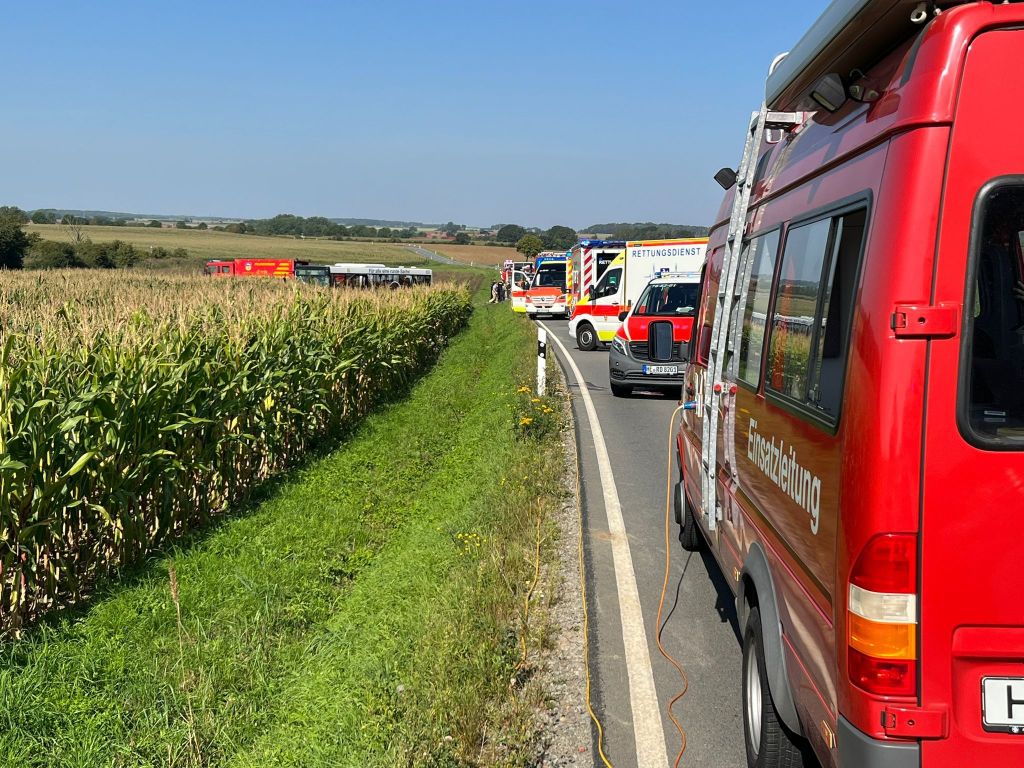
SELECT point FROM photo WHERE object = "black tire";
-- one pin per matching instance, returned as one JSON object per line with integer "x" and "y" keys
{"x": 690, "y": 536}
{"x": 621, "y": 390}
{"x": 586, "y": 337}
{"x": 775, "y": 747}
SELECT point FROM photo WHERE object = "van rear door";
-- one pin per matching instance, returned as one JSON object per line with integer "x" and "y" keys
{"x": 971, "y": 630}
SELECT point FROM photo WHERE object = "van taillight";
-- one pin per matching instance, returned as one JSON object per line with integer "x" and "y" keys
{"x": 882, "y": 616}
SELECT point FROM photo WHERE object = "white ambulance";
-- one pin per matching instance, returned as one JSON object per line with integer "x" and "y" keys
{"x": 595, "y": 317}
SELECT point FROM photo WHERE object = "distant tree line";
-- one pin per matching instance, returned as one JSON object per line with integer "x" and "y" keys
{"x": 20, "y": 249}
{"x": 116, "y": 254}
{"x": 313, "y": 226}
{"x": 647, "y": 231}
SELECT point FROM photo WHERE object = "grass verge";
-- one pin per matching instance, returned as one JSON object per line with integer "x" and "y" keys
{"x": 372, "y": 611}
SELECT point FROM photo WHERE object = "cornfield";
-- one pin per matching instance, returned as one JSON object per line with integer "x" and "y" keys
{"x": 134, "y": 409}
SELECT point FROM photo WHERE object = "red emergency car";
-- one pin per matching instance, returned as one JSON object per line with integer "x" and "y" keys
{"x": 867, "y": 487}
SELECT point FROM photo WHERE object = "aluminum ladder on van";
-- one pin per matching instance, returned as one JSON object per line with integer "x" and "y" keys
{"x": 731, "y": 292}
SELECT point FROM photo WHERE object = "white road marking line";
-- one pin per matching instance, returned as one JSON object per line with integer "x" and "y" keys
{"x": 643, "y": 697}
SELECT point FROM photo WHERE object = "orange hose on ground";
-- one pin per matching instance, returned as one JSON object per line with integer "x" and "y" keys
{"x": 664, "y": 591}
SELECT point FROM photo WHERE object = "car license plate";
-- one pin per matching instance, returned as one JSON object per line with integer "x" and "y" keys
{"x": 661, "y": 370}
{"x": 1002, "y": 704}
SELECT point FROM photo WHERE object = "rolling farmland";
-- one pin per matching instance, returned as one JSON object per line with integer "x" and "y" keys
{"x": 204, "y": 245}
{"x": 485, "y": 255}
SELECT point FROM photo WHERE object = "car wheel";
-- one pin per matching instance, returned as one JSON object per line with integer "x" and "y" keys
{"x": 621, "y": 390}
{"x": 769, "y": 744}
{"x": 586, "y": 337}
{"x": 689, "y": 533}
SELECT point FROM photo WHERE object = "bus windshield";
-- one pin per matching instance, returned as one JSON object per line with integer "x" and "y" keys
{"x": 669, "y": 299}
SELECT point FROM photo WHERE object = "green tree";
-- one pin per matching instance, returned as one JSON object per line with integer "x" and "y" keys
{"x": 451, "y": 228}
{"x": 44, "y": 217}
{"x": 13, "y": 213}
{"x": 181, "y": 224}
{"x": 529, "y": 246}
{"x": 202, "y": 225}
{"x": 154, "y": 224}
{"x": 49, "y": 254}
{"x": 510, "y": 233}
{"x": 462, "y": 239}
{"x": 559, "y": 238}
{"x": 14, "y": 242}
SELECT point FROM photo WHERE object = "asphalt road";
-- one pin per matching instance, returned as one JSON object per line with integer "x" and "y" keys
{"x": 425, "y": 254}
{"x": 700, "y": 623}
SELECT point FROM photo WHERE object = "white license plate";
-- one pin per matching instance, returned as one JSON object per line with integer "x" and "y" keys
{"x": 661, "y": 370}
{"x": 1002, "y": 704}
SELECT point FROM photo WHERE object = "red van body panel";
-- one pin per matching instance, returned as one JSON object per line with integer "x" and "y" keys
{"x": 893, "y": 461}
{"x": 972, "y": 625}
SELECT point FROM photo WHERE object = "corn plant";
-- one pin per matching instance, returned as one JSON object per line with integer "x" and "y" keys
{"x": 134, "y": 409}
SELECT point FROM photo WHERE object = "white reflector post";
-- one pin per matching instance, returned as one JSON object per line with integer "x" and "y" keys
{"x": 542, "y": 356}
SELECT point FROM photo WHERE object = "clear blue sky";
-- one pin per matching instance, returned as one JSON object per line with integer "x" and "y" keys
{"x": 536, "y": 113}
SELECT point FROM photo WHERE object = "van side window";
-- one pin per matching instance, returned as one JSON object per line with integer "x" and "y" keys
{"x": 813, "y": 310}
{"x": 707, "y": 306}
{"x": 994, "y": 341}
{"x": 758, "y": 271}
{"x": 836, "y": 312}
{"x": 609, "y": 283}
{"x": 789, "y": 353}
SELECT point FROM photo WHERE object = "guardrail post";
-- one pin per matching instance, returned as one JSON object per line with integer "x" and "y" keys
{"x": 542, "y": 354}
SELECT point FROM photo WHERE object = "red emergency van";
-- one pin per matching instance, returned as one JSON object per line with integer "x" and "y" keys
{"x": 855, "y": 460}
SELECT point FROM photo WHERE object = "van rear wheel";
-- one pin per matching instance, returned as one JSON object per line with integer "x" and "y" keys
{"x": 689, "y": 535}
{"x": 586, "y": 338}
{"x": 769, "y": 744}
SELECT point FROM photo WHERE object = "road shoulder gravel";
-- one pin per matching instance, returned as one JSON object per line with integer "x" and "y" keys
{"x": 566, "y": 730}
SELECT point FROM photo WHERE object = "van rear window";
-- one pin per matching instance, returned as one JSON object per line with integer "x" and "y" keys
{"x": 994, "y": 342}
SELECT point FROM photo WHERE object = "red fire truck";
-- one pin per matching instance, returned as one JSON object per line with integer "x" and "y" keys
{"x": 855, "y": 460}
{"x": 251, "y": 268}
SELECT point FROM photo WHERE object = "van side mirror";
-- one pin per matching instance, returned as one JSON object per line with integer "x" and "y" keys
{"x": 622, "y": 315}
{"x": 726, "y": 178}
{"x": 591, "y": 292}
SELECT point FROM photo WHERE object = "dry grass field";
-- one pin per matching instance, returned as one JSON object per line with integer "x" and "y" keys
{"x": 204, "y": 245}
{"x": 481, "y": 255}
